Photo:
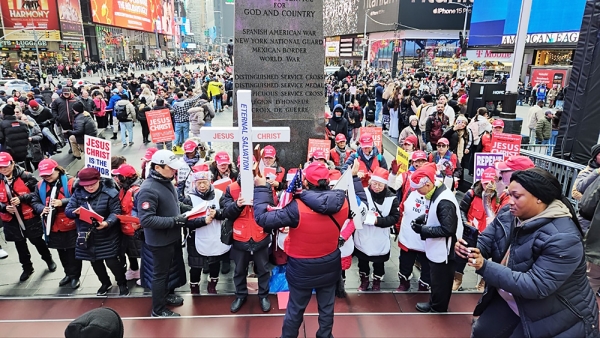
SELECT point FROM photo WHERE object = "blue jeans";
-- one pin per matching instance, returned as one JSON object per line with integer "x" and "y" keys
{"x": 217, "y": 103}
{"x": 378, "y": 108}
{"x": 182, "y": 132}
{"x": 126, "y": 126}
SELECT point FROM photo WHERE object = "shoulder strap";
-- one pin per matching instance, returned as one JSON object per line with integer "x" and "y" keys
{"x": 65, "y": 183}
{"x": 42, "y": 189}
{"x": 335, "y": 222}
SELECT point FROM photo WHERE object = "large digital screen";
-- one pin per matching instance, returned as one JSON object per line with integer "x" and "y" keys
{"x": 495, "y": 22}
{"x": 345, "y": 17}
{"x": 143, "y": 15}
{"x": 27, "y": 20}
{"x": 70, "y": 20}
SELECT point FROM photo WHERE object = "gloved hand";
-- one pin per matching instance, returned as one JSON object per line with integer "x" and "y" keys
{"x": 395, "y": 167}
{"x": 180, "y": 220}
{"x": 417, "y": 227}
{"x": 341, "y": 242}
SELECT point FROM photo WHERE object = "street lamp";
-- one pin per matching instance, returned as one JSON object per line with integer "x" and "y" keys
{"x": 464, "y": 31}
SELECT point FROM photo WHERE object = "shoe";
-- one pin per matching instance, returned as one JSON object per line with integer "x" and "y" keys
{"x": 225, "y": 266}
{"x": 423, "y": 286}
{"x": 212, "y": 286}
{"x": 130, "y": 144}
{"x": 132, "y": 274}
{"x": 123, "y": 290}
{"x": 404, "y": 283}
{"x": 25, "y": 275}
{"x": 423, "y": 307}
{"x": 376, "y": 286}
{"x": 125, "y": 145}
{"x": 174, "y": 148}
{"x": 138, "y": 282}
{"x": 165, "y": 313}
{"x": 51, "y": 265}
{"x": 75, "y": 283}
{"x": 77, "y": 157}
{"x": 3, "y": 253}
{"x": 70, "y": 151}
{"x": 364, "y": 282}
{"x": 457, "y": 281}
{"x": 66, "y": 280}
{"x": 103, "y": 290}
{"x": 481, "y": 285}
{"x": 174, "y": 300}
{"x": 114, "y": 137}
{"x": 237, "y": 304}
{"x": 265, "y": 304}
{"x": 195, "y": 288}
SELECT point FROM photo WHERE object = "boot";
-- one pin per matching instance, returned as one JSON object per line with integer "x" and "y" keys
{"x": 457, "y": 281}
{"x": 114, "y": 137}
{"x": 364, "y": 282}
{"x": 376, "y": 283}
{"x": 340, "y": 290}
{"x": 212, "y": 286}
{"x": 404, "y": 283}
{"x": 423, "y": 286}
{"x": 481, "y": 285}
{"x": 195, "y": 288}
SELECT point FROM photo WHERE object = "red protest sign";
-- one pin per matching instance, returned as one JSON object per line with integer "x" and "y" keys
{"x": 160, "y": 125}
{"x": 377, "y": 133}
{"x": 507, "y": 144}
{"x": 314, "y": 144}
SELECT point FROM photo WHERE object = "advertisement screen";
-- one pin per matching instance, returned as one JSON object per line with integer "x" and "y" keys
{"x": 40, "y": 15}
{"x": 143, "y": 15}
{"x": 494, "y": 22}
{"x": 552, "y": 77}
{"x": 71, "y": 27}
{"x": 345, "y": 17}
{"x": 420, "y": 14}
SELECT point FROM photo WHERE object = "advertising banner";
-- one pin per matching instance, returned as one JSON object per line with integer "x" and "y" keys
{"x": 71, "y": 27}
{"x": 552, "y": 77}
{"x": 40, "y": 15}
{"x": 346, "y": 17}
{"x": 143, "y": 15}
{"x": 484, "y": 161}
{"x": 160, "y": 125}
{"x": 507, "y": 144}
{"x": 97, "y": 155}
{"x": 332, "y": 49}
{"x": 552, "y": 22}
{"x": 377, "y": 133}
{"x": 419, "y": 14}
{"x": 314, "y": 144}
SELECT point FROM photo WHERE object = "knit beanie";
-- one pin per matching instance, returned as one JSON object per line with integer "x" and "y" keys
{"x": 78, "y": 107}
{"x": 540, "y": 183}
{"x": 97, "y": 323}
{"x": 8, "y": 110}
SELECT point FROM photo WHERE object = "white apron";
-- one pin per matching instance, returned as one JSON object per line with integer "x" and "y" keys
{"x": 373, "y": 240}
{"x": 208, "y": 238}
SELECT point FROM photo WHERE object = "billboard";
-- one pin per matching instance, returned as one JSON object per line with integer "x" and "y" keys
{"x": 347, "y": 17}
{"x": 71, "y": 27}
{"x": 552, "y": 22}
{"x": 425, "y": 14}
{"x": 143, "y": 15}
{"x": 40, "y": 15}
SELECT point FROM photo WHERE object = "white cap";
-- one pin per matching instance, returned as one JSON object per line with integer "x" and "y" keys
{"x": 167, "y": 157}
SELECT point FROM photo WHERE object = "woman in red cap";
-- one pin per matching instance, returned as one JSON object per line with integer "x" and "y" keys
{"x": 372, "y": 242}
{"x": 341, "y": 152}
{"x": 446, "y": 161}
{"x": 222, "y": 167}
{"x": 52, "y": 195}
{"x": 269, "y": 160}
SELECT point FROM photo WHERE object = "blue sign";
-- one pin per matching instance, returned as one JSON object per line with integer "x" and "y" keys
{"x": 495, "y": 22}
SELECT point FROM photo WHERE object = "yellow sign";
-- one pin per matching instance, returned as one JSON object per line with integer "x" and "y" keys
{"x": 402, "y": 160}
{"x": 41, "y": 35}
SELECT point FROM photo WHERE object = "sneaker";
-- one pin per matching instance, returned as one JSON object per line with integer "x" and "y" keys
{"x": 123, "y": 290}
{"x": 124, "y": 145}
{"x": 165, "y": 313}
{"x": 3, "y": 253}
{"x": 132, "y": 274}
{"x": 174, "y": 300}
{"x": 130, "y": 144}
{"x": 103, "y": 290}
{"x": 138, "y": 282}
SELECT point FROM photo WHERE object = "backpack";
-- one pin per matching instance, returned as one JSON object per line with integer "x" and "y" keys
{"x": 121, "y": 113}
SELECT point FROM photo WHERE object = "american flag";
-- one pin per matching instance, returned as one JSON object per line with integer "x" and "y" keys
{"x": 295, "y": 187}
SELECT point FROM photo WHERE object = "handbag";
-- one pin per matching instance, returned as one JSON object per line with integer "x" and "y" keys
{"x": 227, "y": 232}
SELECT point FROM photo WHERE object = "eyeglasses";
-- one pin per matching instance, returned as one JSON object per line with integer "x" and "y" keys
{"x": 442, "y": 146}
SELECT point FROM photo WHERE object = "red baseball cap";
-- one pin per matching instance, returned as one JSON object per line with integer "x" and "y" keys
{"x": 222, "y": 157}
{"x": 190, "y": 146}
{"x": 514, "y": 163}
{"x": 5, "y": 159}
{"x": 488, "y": 176}
{"x": 340, "y": 138}
{"x": 418, "y": 155}
{"x": 443, "y": 140}
{"x": 412, "y": 139}
{"x": 319, "y": 154}
{"x": 498, "y": 123}
{"x": 269, "y": 152}
{"x": 126, "y": 170}
{"x": 149, "y": 153}
{"x": 328, "y": 115}
{"x": 316, "y": 171}
{"x": 47, "y": 166}
{"x": 366, "y": 140}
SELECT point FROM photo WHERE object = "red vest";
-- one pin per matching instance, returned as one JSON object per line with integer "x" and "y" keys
{"x": 245, "y": 227}
{"x": 126, "y": 198}
{"x": 316, "y": 235}
{"x": 364, "y": 169}
{"x": 61, "y": 223}
{"x": 477, "y": 212}
{"x": 335, "y": 156}
{"x": 19, "y": 188}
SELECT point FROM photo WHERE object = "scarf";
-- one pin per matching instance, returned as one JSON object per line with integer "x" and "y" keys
{"x": 207, "y": 195}
{"x": 460, "y": 149}
{"x": 342, "y": 153}
{"x": 192, "y": 161}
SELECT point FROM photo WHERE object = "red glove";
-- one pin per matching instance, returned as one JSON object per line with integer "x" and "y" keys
{"x": 395, "y": 167}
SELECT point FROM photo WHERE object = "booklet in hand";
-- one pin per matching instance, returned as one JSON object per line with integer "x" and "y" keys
{"x": 222, "y": 184}
{"x": 88, "y": 215}
{"x": 198, "y": 211}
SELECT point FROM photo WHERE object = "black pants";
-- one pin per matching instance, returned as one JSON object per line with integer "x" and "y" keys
{"x": 25, "y": 255}
{"x": 145, "y": 130}
{"x": 116, "y": 267}
{"x": 378, "y": 268}
{"x": 242, "y": 259}
{"x": 71, "y": 265}
{"x": 163, "y": 257}
{"x": 460, "y": 265}
{"x": 407, "y": 261}
{"x": 498, "y": 321}
{"x": 442, "y": 278}
{"x": 213, "y": 272}
{"x": 294, "y": 315}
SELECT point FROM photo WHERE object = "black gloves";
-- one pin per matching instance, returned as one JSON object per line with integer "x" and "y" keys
{"x": 184, "y": 207}
{"x": 341, "y": 242}
{"x": 180, "y": 220}
{"x": 418, "y": 223}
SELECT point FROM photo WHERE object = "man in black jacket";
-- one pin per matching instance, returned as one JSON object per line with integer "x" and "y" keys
{"x": 14, "y": 135}
{"x": 83, "y": 124}
{"x": 62, "y": 108}
{"x": 160, "y": 215}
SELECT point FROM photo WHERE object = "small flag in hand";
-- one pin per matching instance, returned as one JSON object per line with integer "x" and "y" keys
{"x": 295, "y": 187}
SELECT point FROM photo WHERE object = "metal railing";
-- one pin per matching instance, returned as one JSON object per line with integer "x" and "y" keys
{"x": 544, "y": 149}
{"x": 565, "y": 171}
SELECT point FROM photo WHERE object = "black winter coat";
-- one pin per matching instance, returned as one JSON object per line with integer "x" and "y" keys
{"x": 33, "y": 226}
{"x": 105, "y": 243}
{"x": 43, "y": 116}
{"x": 546, "y": 274}
{"x": 14, "y": 137}
{"x": 177, "y": 276}
{"x": 63, "y": 110}
{"x": 83, "y": 125}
